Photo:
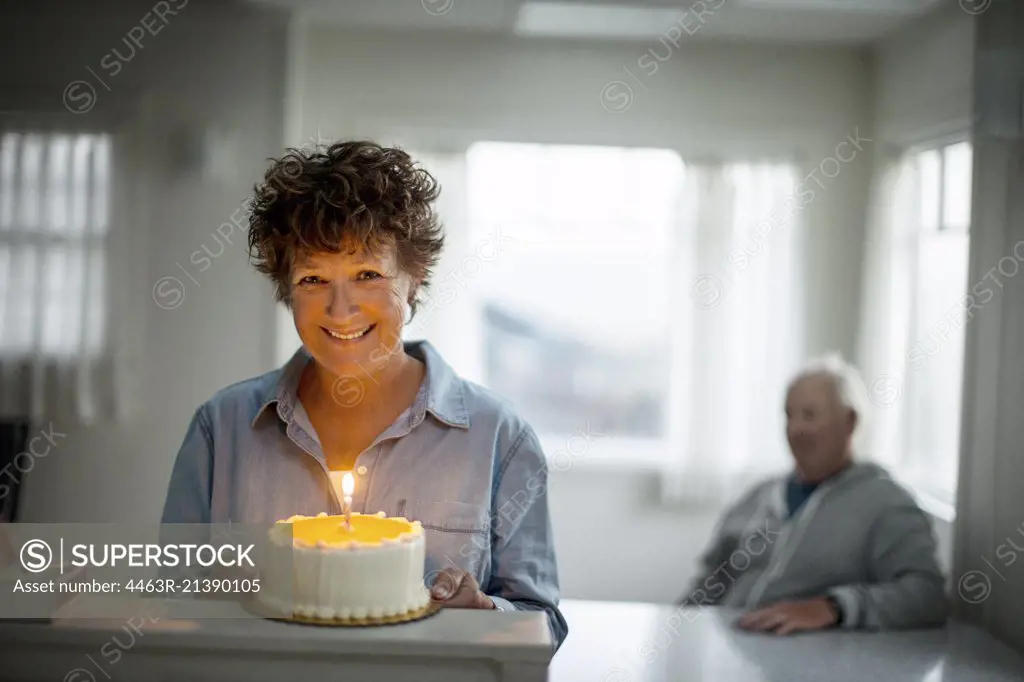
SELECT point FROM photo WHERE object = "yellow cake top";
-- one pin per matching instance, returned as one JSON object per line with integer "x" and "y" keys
{"x": 367, "y": 530}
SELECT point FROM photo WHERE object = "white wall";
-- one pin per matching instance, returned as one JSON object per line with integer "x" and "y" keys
{"x": 210, "y": 67}
{"x": 442, "y": 93}
{"x": 923, "y": 78}
{"x": 990, "y": 525}
{"x": 616, "y": 542}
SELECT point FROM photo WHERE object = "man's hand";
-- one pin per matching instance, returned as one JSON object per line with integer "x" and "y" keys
{"x": 457, "y": 589}
{"x": 793, "y": 616}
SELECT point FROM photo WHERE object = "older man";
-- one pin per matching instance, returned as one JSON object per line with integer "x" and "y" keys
{"x": 835, "y": 543}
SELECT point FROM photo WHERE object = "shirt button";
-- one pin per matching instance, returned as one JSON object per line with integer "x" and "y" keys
{"x": 361, "y": 470}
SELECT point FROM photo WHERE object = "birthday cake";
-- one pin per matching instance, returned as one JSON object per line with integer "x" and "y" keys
{"x": 321, "y": 568}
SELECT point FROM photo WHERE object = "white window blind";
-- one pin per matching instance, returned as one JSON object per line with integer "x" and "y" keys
{"x": 54, "y": 193}
{"x": 69, "y": 268}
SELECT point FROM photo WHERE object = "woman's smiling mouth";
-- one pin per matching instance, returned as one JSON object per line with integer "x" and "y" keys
{"x": 353, "y": 335}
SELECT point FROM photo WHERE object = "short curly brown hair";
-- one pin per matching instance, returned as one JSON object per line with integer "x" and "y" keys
{"x": 350, "y": 192}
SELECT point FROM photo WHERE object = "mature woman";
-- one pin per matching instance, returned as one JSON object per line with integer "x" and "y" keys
{"x": 349, "y": 237}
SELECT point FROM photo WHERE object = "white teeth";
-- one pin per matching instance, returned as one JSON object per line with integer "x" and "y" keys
{"x": 348, "y": 337}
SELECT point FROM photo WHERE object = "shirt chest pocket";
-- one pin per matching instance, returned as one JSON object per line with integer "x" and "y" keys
{"x": 457, "y": 535}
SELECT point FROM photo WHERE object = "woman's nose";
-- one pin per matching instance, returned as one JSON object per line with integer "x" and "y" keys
{"x": 341, "y": 304}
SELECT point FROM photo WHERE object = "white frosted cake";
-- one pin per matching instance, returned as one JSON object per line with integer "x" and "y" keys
{"x": 317, "y": 568}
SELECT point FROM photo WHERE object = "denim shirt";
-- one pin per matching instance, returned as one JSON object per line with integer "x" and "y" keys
{"x": 459, "y": 460}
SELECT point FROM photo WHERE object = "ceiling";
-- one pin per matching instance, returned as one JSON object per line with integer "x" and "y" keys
{"x": 843, "y": 22}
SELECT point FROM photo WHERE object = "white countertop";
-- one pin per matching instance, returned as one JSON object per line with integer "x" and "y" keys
{"x": 452, "y": 645}
{"x": 607, "y": 642}
{"x": 626, "y": 642}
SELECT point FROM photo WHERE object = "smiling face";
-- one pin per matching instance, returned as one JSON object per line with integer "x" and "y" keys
{"x": 819, "y": 427}
{"x": 349, "y": 308}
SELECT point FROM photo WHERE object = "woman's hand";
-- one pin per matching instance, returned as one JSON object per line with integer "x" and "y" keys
{"x": 794, "y": 616}
{"x": 454, "y": 588}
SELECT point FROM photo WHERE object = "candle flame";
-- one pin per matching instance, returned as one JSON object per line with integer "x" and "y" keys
{"x": 348, "y": 483}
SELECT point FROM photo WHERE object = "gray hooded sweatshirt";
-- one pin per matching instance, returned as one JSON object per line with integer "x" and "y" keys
{"x": 859, "y": 537}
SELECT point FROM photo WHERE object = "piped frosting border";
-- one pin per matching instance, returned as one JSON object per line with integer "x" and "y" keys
{"x": 353, "y": 545}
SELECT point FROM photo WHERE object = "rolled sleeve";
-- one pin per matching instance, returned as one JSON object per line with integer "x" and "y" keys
{"x": 524, "y": 569}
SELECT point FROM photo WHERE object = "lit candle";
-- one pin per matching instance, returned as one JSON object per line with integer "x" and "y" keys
{"x": 348, "y": 485}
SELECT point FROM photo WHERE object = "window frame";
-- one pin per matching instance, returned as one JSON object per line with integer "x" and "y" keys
{"x": 932, "y": 496}
{"x": 77, "y": 245}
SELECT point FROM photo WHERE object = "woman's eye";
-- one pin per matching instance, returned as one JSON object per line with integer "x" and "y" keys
{"x": 368, "y": 274}
{"x": 310, "y": 279}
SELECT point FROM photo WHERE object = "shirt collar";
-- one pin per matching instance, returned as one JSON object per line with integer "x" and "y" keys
{"x": 445, "y": 390}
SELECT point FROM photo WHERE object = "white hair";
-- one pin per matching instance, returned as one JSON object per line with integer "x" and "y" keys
{"x": 846, "y": 380}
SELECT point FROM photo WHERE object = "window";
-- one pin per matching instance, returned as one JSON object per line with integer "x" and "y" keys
{"x": 937, "y": 318}
{"x": 575, "y": 327}
{"x": 54, "y": 218}
{"x": 588, "y": 319}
